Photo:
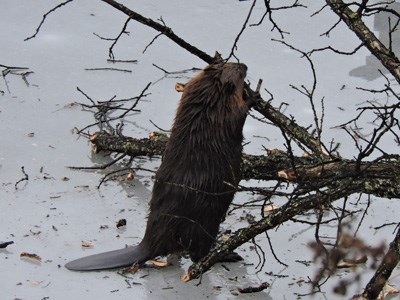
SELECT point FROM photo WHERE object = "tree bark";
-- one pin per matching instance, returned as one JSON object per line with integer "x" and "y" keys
{"x": 381, "y": 178}
{"x": 389, "y": 262}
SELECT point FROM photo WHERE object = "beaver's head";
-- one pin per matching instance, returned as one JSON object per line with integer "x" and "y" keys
{"x": 230, "y": 76}
{"x": 212, "y": 109}
{"x": 217, "y": 85}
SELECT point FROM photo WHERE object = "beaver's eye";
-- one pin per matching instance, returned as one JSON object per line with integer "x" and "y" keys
{"x": 229, "y": 87}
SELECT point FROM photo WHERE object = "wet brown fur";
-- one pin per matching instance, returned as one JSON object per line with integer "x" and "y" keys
{"x": 201, "y": 165}
{"x": 198, "y": 175}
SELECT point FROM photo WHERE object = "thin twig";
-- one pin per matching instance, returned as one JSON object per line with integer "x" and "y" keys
{"x": 45, "y": 16}
{"x": 25, "y": 178}
{"x": 234, "y": 47}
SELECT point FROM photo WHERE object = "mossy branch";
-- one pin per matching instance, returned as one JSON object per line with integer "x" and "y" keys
{"x": 380, "y": 178}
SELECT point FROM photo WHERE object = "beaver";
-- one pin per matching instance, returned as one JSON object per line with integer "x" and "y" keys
{"x": 198, "y": 176}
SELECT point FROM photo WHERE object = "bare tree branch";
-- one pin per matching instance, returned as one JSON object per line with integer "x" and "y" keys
{"x": 375, "y": 46}
{"x": 382, "y": 274}
{"x": 161, "y": 28}
{"x": 234, "y": 47}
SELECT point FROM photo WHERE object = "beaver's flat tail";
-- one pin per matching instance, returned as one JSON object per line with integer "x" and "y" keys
{"x": 110, "y": 260}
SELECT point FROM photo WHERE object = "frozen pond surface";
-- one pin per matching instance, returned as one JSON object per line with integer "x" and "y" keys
{"x": 57, "y": 208}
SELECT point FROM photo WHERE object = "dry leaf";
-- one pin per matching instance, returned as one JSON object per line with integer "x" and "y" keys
{"x": 70, "y": 105}
{"x": 32, "y": 256}
{"x": 133, "y": 269}
{"x": 121, "y": 222}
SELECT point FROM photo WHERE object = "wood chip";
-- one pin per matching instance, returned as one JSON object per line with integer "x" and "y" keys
{"x": 185, "y": 278}
{"x": 286, "y": 174}
{"x": 270, "y": 207}
{"x": 159, "y": 263}
{"x": 93, "y": 137}
{"x": 87, "y": 244}
{"x": 130, "y": 176}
